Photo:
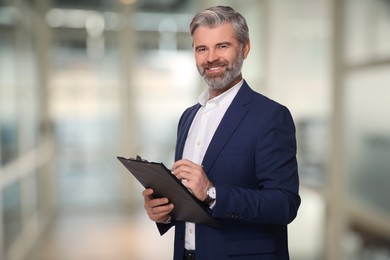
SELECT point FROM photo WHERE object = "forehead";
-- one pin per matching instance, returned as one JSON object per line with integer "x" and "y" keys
{"x": 214, "y": 35}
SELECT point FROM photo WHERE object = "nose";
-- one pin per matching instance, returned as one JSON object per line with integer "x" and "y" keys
{"x": 212, "y": 56}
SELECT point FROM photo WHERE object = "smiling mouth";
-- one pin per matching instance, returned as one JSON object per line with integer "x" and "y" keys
{"x": 214, "y": 69}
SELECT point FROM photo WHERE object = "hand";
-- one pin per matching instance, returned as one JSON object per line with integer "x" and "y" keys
{"x": 158, "y": 209}
{"x": 193, "y": 177}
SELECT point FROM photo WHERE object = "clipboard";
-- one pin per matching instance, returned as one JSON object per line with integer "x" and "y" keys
{"x": 158, "y": 177}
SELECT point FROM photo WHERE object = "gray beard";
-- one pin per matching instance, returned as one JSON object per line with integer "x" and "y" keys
{"x": 224, "y": 80}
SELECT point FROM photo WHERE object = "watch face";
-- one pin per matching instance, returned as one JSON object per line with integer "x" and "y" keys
{"x": 211, "y": 193}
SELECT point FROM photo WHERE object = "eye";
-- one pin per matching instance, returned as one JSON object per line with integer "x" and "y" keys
{"x": 200, "y": 49}
{"x": 223, "y": 46}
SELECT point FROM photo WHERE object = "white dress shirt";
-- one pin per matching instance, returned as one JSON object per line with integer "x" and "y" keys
{"x": 199, "y": 136}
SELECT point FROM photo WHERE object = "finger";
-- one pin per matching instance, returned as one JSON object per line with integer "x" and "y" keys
{"x": 186, "y": 183}
{"x": 159, "y": 213}
{"x": 183, "y": 162}
{"x": 183, "y": 176}
{"x": 182, "y": 168}
{"x": 147, "y": 192}
{"x": 158, "y": 202}
{"x": 193, "y": 169}
{"x": 161, "y": 209}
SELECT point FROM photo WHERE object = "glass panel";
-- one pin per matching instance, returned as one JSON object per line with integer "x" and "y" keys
{"x": 313, "y": 138}
{"x": 27, "y": 93}
{"x": 85, "y": 109}
{"x": 367, "y": 30}
{"x": 30, "y": 195}
{"x": 12, "y": 222}
{"x": 367, "y": 138}
{"x": 8, "y": 108}
{"x": 40, "y": 190}
{"x": 45, "y": 194}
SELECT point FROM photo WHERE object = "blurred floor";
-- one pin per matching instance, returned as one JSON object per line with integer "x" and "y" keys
{"x": 124, "y": 236}
{"x": 103, "y": 236}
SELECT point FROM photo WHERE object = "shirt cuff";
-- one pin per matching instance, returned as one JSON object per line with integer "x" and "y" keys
{"x": 213, "y": 204}
{"x": 168, "y": 221}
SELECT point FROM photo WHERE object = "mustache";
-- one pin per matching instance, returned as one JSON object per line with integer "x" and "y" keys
{"x": 214, "y": 64}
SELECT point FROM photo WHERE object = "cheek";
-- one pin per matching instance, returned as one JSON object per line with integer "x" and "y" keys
{"x": 199, "y": 60}
{"x": 232, "y": 57}
{"x": 199, "y": 64}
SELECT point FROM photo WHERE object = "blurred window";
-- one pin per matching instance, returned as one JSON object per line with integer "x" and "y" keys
{"x": 367, "y": 138}
{"x": 366, "y": 127}
{"x": 11, "y": 210}
{"x": 8, "y": 96}
{"x": 19, "y": 122}
{"x": 367, "y": 30}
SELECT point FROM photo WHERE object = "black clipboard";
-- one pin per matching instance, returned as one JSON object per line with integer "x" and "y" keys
{"x": 158, "y": 177}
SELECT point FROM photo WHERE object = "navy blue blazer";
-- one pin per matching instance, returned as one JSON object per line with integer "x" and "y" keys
{"x": 251, "y": 160}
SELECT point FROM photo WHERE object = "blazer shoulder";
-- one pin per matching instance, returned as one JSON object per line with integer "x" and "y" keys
{"x": 260, "y": 101}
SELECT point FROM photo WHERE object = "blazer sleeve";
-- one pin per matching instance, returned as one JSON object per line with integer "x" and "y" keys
{"x": 274, "y": 198}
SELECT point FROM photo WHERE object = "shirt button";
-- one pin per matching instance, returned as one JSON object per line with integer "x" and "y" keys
{"x": 190, "y": 231}
{"x": 198, "y": 143}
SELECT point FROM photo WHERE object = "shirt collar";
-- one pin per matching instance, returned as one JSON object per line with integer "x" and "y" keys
{"x": 225, "y": 97}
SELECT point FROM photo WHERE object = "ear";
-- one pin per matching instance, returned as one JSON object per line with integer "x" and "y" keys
{"x": 246, "y": 49}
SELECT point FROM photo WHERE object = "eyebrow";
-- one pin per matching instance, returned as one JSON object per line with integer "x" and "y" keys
{"x": 224, "y": 43}
{"x": 218, "y": 44}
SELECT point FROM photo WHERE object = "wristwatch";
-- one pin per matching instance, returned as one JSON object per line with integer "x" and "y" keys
{"x": 211, "y": 196}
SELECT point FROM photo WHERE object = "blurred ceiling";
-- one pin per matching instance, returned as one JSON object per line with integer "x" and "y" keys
{"x": 141, "y": 5}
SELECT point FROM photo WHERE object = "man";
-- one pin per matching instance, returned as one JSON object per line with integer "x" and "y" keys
{"x": 235, "y": 151}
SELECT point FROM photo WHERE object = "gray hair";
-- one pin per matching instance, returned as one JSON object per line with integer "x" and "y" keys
{"x": 219, "y": 15}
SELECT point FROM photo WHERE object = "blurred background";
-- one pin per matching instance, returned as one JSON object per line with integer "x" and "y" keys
{"x": 84, "y": 81}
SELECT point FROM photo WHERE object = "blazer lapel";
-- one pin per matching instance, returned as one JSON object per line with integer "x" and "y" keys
{"x": 183, "y": 131}
{"x": 230, "y": 121}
